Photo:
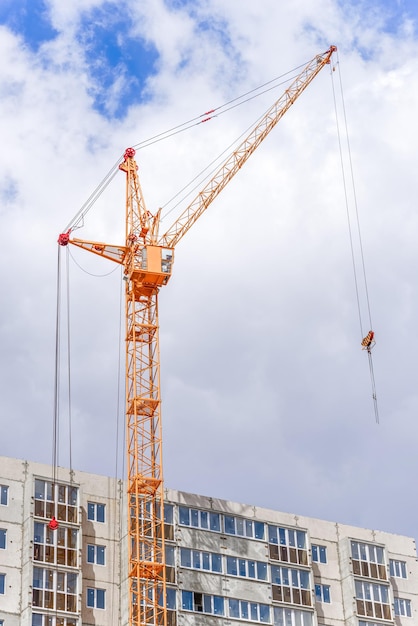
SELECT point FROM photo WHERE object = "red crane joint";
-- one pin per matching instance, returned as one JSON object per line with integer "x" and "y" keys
{"x": 64, "y": 238}
{"x": 129, "y": 153}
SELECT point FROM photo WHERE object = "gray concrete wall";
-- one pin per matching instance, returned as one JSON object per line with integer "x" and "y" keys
{"x": 16, "y": 561}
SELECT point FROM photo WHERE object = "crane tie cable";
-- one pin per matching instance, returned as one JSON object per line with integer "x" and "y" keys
{"x": 77, "y": 221}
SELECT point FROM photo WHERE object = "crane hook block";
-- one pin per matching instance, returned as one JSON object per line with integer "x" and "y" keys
{"x": 64, "y": 238}
{"x": 53, "y": 524}
{"x": 368, "y": 341}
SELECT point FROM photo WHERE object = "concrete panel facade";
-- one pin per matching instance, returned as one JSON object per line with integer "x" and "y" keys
{"x": 230, "y": 563}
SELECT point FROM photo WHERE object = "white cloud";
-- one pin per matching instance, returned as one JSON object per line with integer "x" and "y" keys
{"x": 265, "y": 388}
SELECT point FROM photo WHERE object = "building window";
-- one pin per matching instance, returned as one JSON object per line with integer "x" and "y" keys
{"x": 319, "y": 554}
{"x": 59, "y": 546}
{"x": 291, "y": 617}
{"x": 368, "y": 560}
{"x": 96, "y": 598}
{"x": 403, "y": 607}
{"x": 171, "y": 598}
{"x": 322, "y": 593}
{"x": 44, "y": 499}
{"x": 288, "y": 544}
{"x": 168, "y": 513}
{"x": 372, "y": 600}
{"x": 202, "y": 603}
{"x": 241, "y": 609}
{"x": 170, "y": 555}
{"x": 199, "y": 519}
{"x": 170, "y": 562}
{"x": 169, "y": 522}
{"x": 3, "y": 539}
{"x": 397, "y": 569}
{"x": 59, "y": 500}
{"x": 243, "y": 527}
{"x": 246, "y": 568}
{"x": 55, "y": 590}
{"x": 2, "y": 584}
{"x": 96, "y": 554}
{"x": 290, "y": 585}
{"x": 96, "y": 512}
{"x": 39, "y": 619}
{"x": 195, "y": 559}
{"x": 4, "y": 495}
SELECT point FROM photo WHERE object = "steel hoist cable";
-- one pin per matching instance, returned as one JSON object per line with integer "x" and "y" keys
{"x": 55, "y": 421}
{"x": 368, "y": 341}
{"x": 57, "y": 368}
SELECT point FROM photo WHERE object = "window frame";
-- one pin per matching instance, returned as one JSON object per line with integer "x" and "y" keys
{"x": 372, "y": 592}
{"x": 398, "y": 569}
{"x": 200, "y": 518}
{"x": 297, "y": 615}
{"x": 192, "y": 599}
{"x": 55, "y": 589}
{"x": 3, "y": 540}
{"x": 289, "y": 537}
{"x": 95, "y": 507}
{"x": 97, "y": 592}
{"x": 288, "y": 545}
{"x": 373, "y": 597}
{"x": 168, "y": 514}
{"x": 244, "y": 527}
{"x": 2, "y": 584}
{"x": 369, "y": 560}
{"x": 368, "y": 552}
{"x": 55, "y": 547}
{"x": 68, "y": 621}
{"x": 4, "y": 495}
{"x": 259, "y": 612}
{"x": 244, "y": 567}
{"x": 189, "y": 558}
{"x": 95, "y": 552}
{"x": 323, "y": 593}
{"x": 319, "y": 551}
{"x": 402, "y": 607}
{"x": 171, "y": 598}
{"x": 291, "y": 585}
{"x": 60, "y": 500}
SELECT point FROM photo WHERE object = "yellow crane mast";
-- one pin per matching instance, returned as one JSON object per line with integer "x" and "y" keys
{"x": 147, "y": 259}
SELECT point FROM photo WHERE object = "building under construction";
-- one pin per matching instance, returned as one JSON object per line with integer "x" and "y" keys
{"x": 226, "y": 563}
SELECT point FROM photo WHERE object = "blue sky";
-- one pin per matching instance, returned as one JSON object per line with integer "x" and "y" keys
{"x": 119, "y": 60}
{"x": 259, "y": 331}
{"x": 30, "y": 19}
{"x": 111, "y": 51}
{"x": 391, "y": 12}
{"x": 114, "y": 52}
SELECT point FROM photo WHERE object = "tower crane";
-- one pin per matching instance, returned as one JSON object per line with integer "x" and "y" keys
{"x": 147, "y": 259}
